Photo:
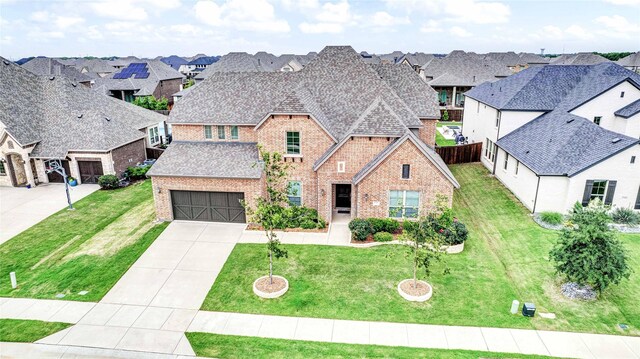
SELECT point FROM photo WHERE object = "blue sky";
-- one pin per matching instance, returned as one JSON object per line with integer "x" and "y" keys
{"x": 186, "y": 27}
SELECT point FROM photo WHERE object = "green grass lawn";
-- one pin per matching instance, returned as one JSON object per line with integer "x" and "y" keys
{"x": 440, "y": 140}
{"x": 89, "y": 248}
{"x": 27, "y": 331}
{"x": 230, "y": 347}
{"x": 505, "y": 258}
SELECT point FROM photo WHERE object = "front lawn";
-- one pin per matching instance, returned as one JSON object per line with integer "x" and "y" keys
{"x": 505, "y": 258}
{"x": 87, "y": 249}
{"x": 230, "y": 347}
{"x": 27, "y": 331}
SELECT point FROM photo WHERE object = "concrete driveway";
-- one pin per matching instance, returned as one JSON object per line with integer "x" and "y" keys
{"x": 21, "y": 208}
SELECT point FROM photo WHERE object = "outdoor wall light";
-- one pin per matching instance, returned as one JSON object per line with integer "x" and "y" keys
{"x": 366, "y": 197}
{"x": 322, "y": 193}
{"x": 158, "y": 189}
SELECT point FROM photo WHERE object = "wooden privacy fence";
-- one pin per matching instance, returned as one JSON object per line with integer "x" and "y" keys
{"x": 460, "y": 153}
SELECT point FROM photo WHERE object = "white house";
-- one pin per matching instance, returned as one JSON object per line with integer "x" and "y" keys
{"x": 555, "y": 135}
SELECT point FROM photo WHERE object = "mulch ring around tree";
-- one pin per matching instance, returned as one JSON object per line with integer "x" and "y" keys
{"x": 419, "y": 290}
{"x": 266, "y": 286}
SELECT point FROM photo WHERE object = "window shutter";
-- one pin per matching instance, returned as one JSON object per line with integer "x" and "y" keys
{"x": 587, "y": 192}
{"x": 610, "y": 191}
{"x": 637, "y": 206}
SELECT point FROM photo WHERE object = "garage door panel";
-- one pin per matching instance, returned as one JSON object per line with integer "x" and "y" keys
{"x": 208, "y": 206}
{"x": 90, "y": 171}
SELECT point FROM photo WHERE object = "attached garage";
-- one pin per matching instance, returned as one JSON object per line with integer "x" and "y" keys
{"x": 208, "y": 206}
{"x": 90, "y": 170}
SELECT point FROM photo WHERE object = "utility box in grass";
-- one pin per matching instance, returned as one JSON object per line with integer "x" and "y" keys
{"x": 529, "y": 309}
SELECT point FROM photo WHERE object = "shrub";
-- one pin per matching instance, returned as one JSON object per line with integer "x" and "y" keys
{"x": 109, "y": 182}
{"x": 360, "y": 229}
{"x": 308, "y": 224}
{"x": 137, "y": 172}
{"x": 383, "y": 237}
{"x": 625, "y": 216}
{"x": 384, "y": 225}
{"x": 553, "y": 218}
{"x": 457, "y": 233}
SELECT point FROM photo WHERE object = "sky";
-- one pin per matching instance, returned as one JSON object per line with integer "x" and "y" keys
{"x": 149, "y": 28}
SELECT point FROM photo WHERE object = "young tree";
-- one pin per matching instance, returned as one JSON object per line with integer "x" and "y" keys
{"x": 588, "y": 252}
{"x": 425, "y": 237}
{"x": 268, "y": 210}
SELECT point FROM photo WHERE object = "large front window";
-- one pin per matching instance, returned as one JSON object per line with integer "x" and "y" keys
{"x": 404, "y": 204}
{"x": 294, "y": 192}
{"x": 599, "y": 190}
{"x": 154, "y": 136}
{"x": 293, "y": 143}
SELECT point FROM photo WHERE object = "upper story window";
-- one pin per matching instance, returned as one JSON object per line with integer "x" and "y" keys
{"x": 234, "y": 132}
{"x": 207, "y": 132}
{"x": 506, "y": 161}
{"x": 517, "y": 167}
{"x": 498, "y": 115}
{"x": 622, "y": 94}
{"x": 597, "y": 120}
{"x": 3, "y": 171}
{"x": 633, "y": 159}
{"x": 154, "y": 136}
{"x": 293, "y": 143}
{"x": 221, "y": 134}
{"x": 294, "y": 193}
{"x": 406, "y": 171}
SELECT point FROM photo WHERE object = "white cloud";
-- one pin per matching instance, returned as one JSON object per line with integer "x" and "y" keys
{"x": 184, "y": 29}
{"x": 40, "y": 16}
{"x": 249, "y": 15}
{"x": 578, "y": 32}
{"x": 39, "y": 35}
{"x": 64, "y": 22}
{"x": 470, "y": 11}
{"x": 321, "y": 28}
{"x": 119, "y": 9}
{"x": 624, "y": 2}
{"x": 431, "y": 26}
{"x": 619, "y": 24}
{"x": 329, "y": 18}
{"x": 459, "y": 32}
{"x": 384, "y": 19}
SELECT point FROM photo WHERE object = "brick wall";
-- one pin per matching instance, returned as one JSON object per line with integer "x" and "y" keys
{"x": 167, "y": 88}
{"x": 428, "y": 132}
{"x": 356, "y": 153}
{"x": 314, "y": 141}
{"x": 252, "y": 189}
{"x": 196, "y": 133}
{"x": 128, "y": 155}
{"x": 425, "y": 177}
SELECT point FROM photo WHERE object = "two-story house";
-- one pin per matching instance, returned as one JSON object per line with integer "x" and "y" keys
{"x": 44, "y": 118}
{"x": 555, "y": 135}
{"x": 358, "y": 138}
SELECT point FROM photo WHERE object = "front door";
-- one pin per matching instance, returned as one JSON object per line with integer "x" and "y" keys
{"x": 343, "y": 196}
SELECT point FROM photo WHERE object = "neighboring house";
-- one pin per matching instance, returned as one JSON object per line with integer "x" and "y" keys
{"x": 44, "y": 66}
{"x": 415, "y": 60}
{"x": 260, "y": 62}
{"x": 451, "y": 76}
{"x": 631, "y": 62}
{"x": 149, "y": 78}
{"x": 391, "y": 58}
{"x": 517, "y": 62}
{"x": 94, "y": 68}
{"x": 44, "y": 118}
{"x": 359, "y": 139}
{"x": 196, "y": 66}
{"x": 175, "y": 61}
{"x": 555, "y": 135}
{"x": 581, "y": 58}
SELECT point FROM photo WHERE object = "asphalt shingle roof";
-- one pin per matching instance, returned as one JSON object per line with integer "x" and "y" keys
{"x": 60, "y": 115}
{"x": 559, "y": 143}
{"x": 581, "y": 58}
{"x": 465, "y": 69}
{"x": 209, "y": 159}
{"x": 174, "y": 61}
{"x": 631, "y": 60}
{"x": 158, "y": 71}
{"x": 629, "y": 110}
{"x": 46, "y": 66}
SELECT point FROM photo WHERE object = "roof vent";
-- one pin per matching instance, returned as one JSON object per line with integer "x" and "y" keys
{"x": 52, "y": 78}
{"x": 80, "y": 116}
{"x": 616, "y": 140}
{"x": 6, "y": 62}
{"x": 570, "y": 120}
{"x": 107, "y": 118}
{"x": 527, "y": 152}
{"x": 74, "y": 84}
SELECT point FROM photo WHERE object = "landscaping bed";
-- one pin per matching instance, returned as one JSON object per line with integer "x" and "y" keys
{"x": 28, "y": 331}
{"x": 505, "y": 258}
{"x": 87, "y": 249}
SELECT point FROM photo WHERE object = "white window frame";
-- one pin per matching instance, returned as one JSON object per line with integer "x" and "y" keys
{"x": 154, "y": 135}
{"x": 505, "y": 165}
{"x": 498, "y": 118}
{"x": 223, "y": 133}
{"x": 342, "y": 166}
{"x": 517, "y": 168}
{"x": 286, "y": 144}
{"x": 299, "y": 194}
{"x": 604, "y": 194}
{"x": 210, "y": 132}
{"x": 402, "y": 171}
{"x": 237, "y": 136}
{"x": 404, "y": 203}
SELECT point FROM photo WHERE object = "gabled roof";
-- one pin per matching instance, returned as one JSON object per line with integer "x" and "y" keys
{"x": 44, "y": 66}
{"x": 174, "y": 61}
{"x": 204, "y": 60}
{"x": 209, "y": 159}
{"x": 461, "y": 68}
{"x": 416, "y": 58}
{"x": 581, "y": 58}
{"x": 59, "y": 115}
{"x": 93, "y": 67}
{"x": 561, "y": 144}
{"x": 427, "y": 151}
{"x": 232, "y": 62}
{"x": 630, "y": 61}
{"x": 551, "y": 87}
{"x": 630, "y": 110}
{"x": 158, "y": 71}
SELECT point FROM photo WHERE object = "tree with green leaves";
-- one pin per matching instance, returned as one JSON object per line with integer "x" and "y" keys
{"x": 587, "y": 251}
{"x": 445, "y": 115}
{"x": 151, "y": 103}
{"x": 268, "y": 210}
{"x": 425, "y": 237}
{"x": 189, "y": 83}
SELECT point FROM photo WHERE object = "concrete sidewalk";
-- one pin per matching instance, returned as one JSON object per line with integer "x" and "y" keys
{"x": 519, "y": 341}
{"x": 28, "y": 350}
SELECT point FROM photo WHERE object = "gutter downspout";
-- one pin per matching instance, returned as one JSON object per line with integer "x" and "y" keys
{"x": 535, "y": 200}
{"x": 497, "y": 138}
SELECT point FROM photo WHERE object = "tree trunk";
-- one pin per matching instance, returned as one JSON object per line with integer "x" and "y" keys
{"x": 415, "y": 266}
{"x": 270, "y": 267}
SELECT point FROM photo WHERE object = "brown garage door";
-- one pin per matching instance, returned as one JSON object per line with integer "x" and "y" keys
{"x": 54, "y": 177}
{"x": 90, "y": 171}
{"x": 208, "y": 206}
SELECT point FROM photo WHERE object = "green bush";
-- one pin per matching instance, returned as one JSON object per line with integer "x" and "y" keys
{"x": 151, "y": 103}
{"x": 457, "y": 233}
{"x": 553, "y": 218}
{"x": 137, "y": 172}
{"x": 625, "y": 216}
{"x": 308, "y": 224}
{"x": 109, "y": 182}
{"x": 360, "y": 229}
{"x": 383, "y": 237}
{"x": 384, "y": 225}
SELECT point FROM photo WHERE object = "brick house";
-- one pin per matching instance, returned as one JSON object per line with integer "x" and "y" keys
{"x": 359, "y": 139}
{"x": 44, "y": 118}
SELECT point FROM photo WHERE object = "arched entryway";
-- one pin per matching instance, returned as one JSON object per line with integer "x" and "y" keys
{"x": 17, "y": 170}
